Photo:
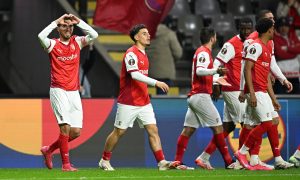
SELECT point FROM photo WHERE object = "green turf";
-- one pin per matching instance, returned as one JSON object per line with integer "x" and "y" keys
{"x": 149, "y": 173}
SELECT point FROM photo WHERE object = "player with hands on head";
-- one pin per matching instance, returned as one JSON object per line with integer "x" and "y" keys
{"x": 64, "y": 54}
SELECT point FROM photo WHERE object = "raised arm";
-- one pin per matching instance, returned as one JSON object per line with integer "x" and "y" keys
{"x": 91, "y": 33}
{"x": 47, "y": 43}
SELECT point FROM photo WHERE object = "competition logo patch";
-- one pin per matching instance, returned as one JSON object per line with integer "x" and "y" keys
{"x": 252, "y": 50}
{"x": 131, "y": 62}
{"x": 202, "y": 59}
{"x": 224, "y": 51}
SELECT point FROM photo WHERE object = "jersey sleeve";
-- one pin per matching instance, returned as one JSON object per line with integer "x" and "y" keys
{"x": 91, "y": 34}
{"x": 202, "y": 60}
{"x": 253, "y": 52}
{"x": 47, "y": 43}
{"x": 226, "y": 53}
{"x": 131, "y": 62}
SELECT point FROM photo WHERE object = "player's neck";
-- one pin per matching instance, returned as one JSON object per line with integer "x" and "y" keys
{"x": 64, "y": 40}
{"x": 208, "y": 46}
{"x": 264, "y": 39}
{"x": 140, "y": 46}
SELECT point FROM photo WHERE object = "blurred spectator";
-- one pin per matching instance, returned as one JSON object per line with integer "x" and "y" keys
{"x": 287, "y": 50}
{"x": 290, "y": 8}
{"x": 82, "y": 8}
{"x": 162, "y": 53}
{"x": 85, "y": 86}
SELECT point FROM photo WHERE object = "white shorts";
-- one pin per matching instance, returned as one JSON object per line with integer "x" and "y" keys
{"x": 67, "y": 107}
{"x": 201, "y": 112}
{"x": 126, "y": 115}
{"x": 234, "y": 110}
{"x": 262, "y": 112}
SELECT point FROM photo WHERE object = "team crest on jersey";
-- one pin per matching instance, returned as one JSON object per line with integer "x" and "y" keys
{"x": 131, "y": 62}
{"x": 72, "y": 47}
{"x": 59, "y": 50}
{"x": 252, "y": 50}
{"x": 201, "y": 59}
{"x": 224, "y": 51}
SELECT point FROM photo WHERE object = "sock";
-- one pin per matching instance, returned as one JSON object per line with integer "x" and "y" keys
{"x": 243, "y": 136}
{"x": 181, "y": 147}
{"x": 253, "y": 160}
{"x": 211, "y": 147}
{"x": 55, "y": 145}
{"x": 274, "y": 141}
{"x": 244, "y": 149}
{"x": 255, "y": 149}
{"x": 64, "y": 148}
{"x": 106, "y": 155}
{"x": 204, "y": 156}
{"x": 297, "y": 153}
{"x": 278, "y": 159}
{"x": 256, "y": 133}
{"x": 159, "y": 155}
{"x": 221, "y": 144}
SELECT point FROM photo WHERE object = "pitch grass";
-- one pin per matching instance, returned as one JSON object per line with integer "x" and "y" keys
{"x": 146, "y": 173}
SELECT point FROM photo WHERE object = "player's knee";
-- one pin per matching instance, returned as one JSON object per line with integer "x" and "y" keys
{"x": 188, "y": 131}
{"x": 76, "y": 134}
{"x": 229, "y": 127}
{"x": 152, "y": 130}
{"x": 119, "y": 132}
{"x": 275, "y": 121}
{"x": 217, "y": 129}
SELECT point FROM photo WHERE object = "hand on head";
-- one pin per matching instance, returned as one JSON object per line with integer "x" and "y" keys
{"x": 72, "y": 19}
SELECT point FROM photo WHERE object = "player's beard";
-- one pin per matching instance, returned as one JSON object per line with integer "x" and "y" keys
{"x": 65, "y": 36}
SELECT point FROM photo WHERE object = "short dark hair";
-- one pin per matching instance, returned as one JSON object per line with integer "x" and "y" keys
{"x": 135, "y": 29}
{"x": 206, "y": 33}
{"x": 261, "y": 14}
{"x": 263, "y": 25}
{"x": 245, "y": 20}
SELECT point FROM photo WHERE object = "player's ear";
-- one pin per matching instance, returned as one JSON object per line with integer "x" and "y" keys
{"x": 136, "y": 37}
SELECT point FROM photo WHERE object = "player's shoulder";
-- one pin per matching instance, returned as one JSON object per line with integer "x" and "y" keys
{"x": 253, "y": 36}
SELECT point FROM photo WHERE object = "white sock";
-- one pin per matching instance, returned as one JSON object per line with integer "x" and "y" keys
{"x": 278, "y": 159}
{"x": 254, "y": 160}
{"x": 204, "y": 156}
{"x": 297, "y": 154}
{"x": 244, "y": 149}
{"x": 161, "y": 162}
